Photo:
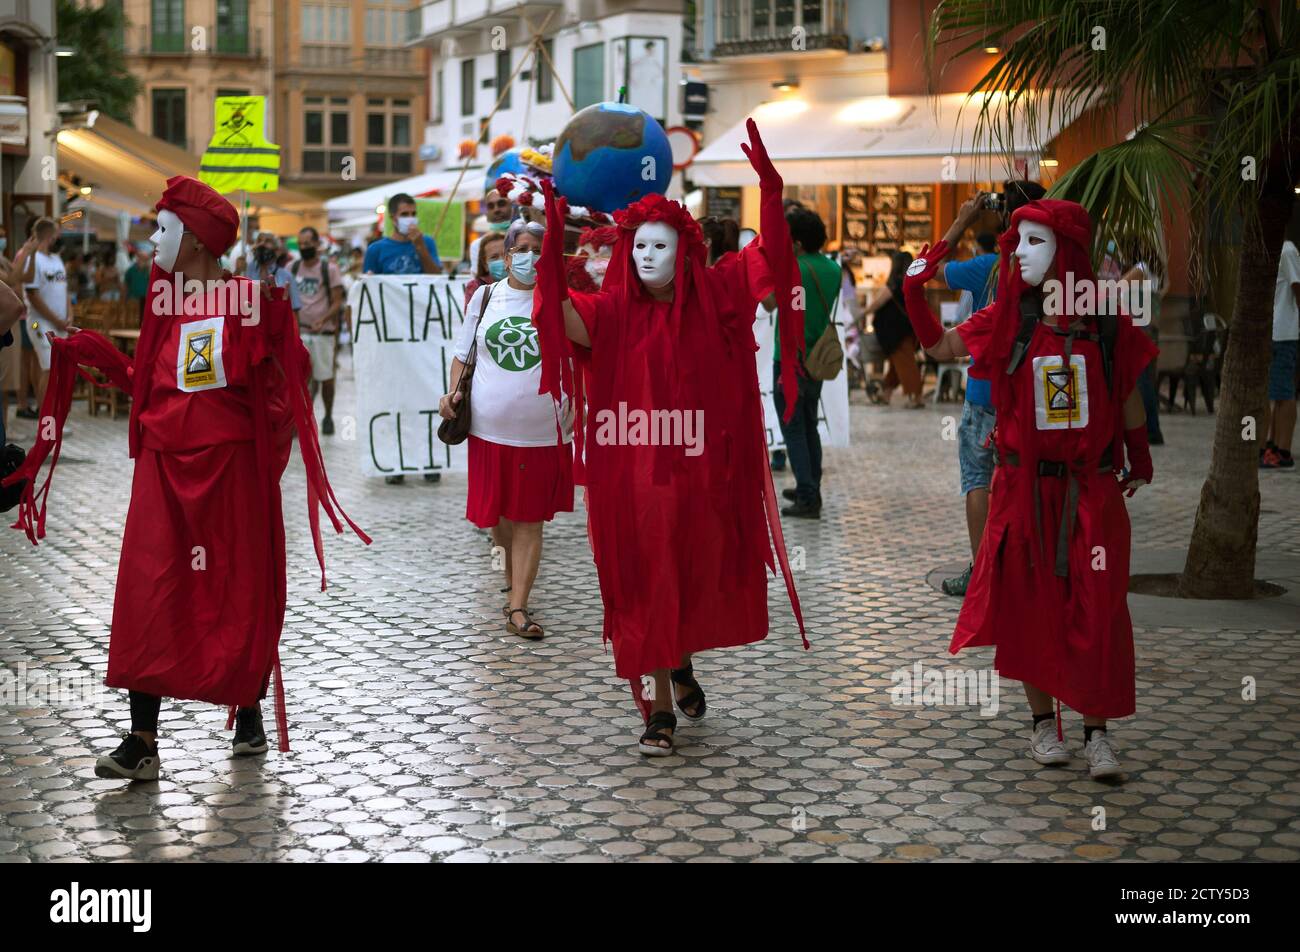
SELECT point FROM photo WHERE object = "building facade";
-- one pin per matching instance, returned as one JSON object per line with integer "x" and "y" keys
{"x": 589, "y": 49}
{"x": 350, "y": 92}
{"x": 28, "y": 116}
{"x": 186, "y": 53}
{"x": 344, "y": 93}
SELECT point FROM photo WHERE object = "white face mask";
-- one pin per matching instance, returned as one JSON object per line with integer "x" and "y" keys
{"x": 1036, "y": 251}
{"x": 405, "y": 223}
{"x": 654, "y": 252}
{"x": 167, "y": 239}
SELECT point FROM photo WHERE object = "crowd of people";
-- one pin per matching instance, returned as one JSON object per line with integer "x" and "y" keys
{"x": 1059, "y": 412}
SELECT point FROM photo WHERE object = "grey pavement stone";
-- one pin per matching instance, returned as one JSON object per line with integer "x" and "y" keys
{"x": 422, "y": 731}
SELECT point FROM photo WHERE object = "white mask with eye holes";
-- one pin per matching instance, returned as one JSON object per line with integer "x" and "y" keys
{"x": 1036, "y": 251}
{"x": 167, "y": 239}
{"x": 654, "y": 253}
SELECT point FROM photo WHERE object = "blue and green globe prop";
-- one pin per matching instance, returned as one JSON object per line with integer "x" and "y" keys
{"x": 610, "y": 155}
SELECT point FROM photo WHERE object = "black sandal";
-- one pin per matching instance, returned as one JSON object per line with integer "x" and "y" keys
{"x": 505, "y": 609}
{"x": 695, "y": 699}
{"x": 654, "y": 732}
{"x": 530, "y": 629}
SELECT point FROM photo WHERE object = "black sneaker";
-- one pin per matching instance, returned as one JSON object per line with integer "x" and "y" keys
{"x": 26, "y": 413}
{"x": 250, "y": 739}
{"x": 327, "y": 426}
{"x": 433, "y": 477}
{"x": 394, "y": 480}
{"x": 802, "y": 511}
{"x": 793, "y": 496}
{"x": 958, "y": 585}
{"x": 134, "y": 759}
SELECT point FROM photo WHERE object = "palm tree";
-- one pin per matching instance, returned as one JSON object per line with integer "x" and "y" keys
{"x": 1215, "y": 88}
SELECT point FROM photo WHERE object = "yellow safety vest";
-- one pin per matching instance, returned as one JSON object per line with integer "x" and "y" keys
{"x": 239, "y": 156}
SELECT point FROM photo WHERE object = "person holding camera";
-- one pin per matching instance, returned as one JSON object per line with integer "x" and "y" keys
{"x": 266, "y": 266}
{"x": 974, "y": 448}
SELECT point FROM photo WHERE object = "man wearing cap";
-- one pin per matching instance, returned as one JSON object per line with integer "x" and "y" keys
{"x": 218, "y": 387}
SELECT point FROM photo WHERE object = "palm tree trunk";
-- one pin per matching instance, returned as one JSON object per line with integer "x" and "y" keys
{"x": 1221, "y": 554}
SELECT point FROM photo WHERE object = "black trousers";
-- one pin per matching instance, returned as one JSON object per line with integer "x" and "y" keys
{"x": 145, "y": 708}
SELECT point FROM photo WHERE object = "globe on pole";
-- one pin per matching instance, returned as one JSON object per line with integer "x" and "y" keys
{"x": 610, "y": 155}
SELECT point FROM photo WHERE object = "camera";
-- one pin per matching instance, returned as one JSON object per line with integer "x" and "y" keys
{"x": 996, "y": 202}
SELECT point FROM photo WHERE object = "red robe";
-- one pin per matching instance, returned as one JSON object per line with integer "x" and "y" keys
{"x": 681, "y": 542}
{"x": 1069, "y": 636}
{"x": 200, "y": 595}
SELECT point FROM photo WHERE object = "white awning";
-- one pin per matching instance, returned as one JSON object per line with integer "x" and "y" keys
{"x": 368, "y": 199}
{"x": 896, "y": 140}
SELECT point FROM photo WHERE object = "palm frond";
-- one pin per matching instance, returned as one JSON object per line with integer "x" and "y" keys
{"x": 1128, "y": 187}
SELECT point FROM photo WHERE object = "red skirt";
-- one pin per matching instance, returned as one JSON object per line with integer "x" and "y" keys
{"x": 519, "y": 483}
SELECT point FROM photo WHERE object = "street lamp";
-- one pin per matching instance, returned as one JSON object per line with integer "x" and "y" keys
{"x": 85, "y": 219}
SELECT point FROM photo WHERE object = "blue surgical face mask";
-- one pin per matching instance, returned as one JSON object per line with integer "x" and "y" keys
{"x": 501, "y": 226}
{"x": 4, "y": 243}
{"x": 497, "y": 268}
{"x": 522, "y": 266}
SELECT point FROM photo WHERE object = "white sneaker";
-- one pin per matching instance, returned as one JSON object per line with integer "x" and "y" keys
{"x": 1102, "y": 761}
{"x": 1046, "y": 747}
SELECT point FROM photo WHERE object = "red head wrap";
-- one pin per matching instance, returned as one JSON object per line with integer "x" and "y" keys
{"x": 603, "y": 237}
{"x": 207, "y": 215}
{"x": 1073, "y": 228}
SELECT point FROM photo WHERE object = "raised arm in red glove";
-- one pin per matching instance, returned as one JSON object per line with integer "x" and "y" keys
{"x": 927, "y": 327}
{"x": 548, "y": 301}
{"x": 1138, "y": 450}
{"x": 778, "y": 249}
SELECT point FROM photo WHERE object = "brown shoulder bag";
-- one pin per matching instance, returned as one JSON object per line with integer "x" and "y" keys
{"x": 455, "y": 431}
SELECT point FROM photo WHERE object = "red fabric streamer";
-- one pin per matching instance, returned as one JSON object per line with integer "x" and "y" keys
{"x": 83, "y": 347}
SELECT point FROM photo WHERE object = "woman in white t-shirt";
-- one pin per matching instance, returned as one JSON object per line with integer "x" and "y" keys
{"x": 520, "y": 452}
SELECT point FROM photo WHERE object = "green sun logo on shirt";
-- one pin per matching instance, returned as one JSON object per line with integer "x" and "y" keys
{"x": 512, "y": 342}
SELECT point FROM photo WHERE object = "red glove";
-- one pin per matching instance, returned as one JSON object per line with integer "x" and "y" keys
{"x": 756, "y": 152}
{"x": 927, "y": 327}
{"x": 551, "y": 259}
{"x": 1138, "y": 450}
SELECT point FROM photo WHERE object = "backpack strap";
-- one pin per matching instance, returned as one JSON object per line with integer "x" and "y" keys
{"x": 1031, "y": 311}
{"x": 1107, "y": 335}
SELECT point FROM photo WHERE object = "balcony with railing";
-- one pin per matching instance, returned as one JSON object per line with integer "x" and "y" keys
{"x": 439, "y": 18}
{"x": 766, "y": 27}
{"x": 242, "y": 44}
{"x": 387, "y": 59}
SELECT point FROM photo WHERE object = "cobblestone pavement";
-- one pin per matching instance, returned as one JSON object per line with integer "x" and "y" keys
{"x": 422, "y": 731}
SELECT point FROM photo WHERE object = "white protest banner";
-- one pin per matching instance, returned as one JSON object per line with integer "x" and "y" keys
{"x": 403, "y": 331}
{"x": 833, "y": 410}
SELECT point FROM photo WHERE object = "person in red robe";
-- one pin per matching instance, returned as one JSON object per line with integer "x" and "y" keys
{"x": 680, "y": 498}
{"x": 1049, "y": 587}
{"x": 218, "y": 385}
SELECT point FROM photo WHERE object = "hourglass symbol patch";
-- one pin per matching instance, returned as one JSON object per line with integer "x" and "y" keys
{"x": 199, "y": 356}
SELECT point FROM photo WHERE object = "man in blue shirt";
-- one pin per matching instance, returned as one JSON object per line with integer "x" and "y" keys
{"x": 974, "y": 450}
{"x": 407, "y": 251}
